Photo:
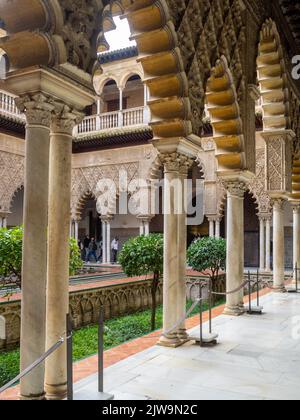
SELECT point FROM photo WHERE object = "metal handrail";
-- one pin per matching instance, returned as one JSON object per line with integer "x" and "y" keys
{"x": 35, "y": 364}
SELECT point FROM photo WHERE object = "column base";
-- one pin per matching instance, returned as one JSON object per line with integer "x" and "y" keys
{"x": 171, "y": 341}
{"x": 279, "y": 289}
{"x": 234, "y": 310}
{"x": 182, "y": 334}
{"x": 41, "y": 397}
{"x": 56, "y": 392}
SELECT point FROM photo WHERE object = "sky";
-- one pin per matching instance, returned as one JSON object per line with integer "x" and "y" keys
{"x": 119, "y": 38}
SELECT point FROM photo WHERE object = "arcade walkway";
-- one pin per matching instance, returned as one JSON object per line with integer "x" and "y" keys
{"x": 257, "y": 358}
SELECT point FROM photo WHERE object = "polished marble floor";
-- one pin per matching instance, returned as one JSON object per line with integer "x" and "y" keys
{"x": 257, "y": 358}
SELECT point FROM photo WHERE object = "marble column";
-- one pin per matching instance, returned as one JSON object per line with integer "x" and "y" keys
{"x": 278, "y": 245}
{"x": 58, "y": 248}
{"x": 211, "y": 228}
{"x": 171, "y": 265}
{"x": 182, "y": 248}
{"x": 296, "y": 240}
{"x": 218, "y": 229}
{"x": 3, "y": 221}
{"x": 268, "y": 244}
{"x": 104, "y": 241}
{"x": 37, "y": 109}
{"x": 121, "y": 107}
{"x": 262, "y": 243}
{"x": 144, "y": 225}
{"x": 235, "y": 246}
{"x": 76, "y": 228}
{"x": 108, "y": 239}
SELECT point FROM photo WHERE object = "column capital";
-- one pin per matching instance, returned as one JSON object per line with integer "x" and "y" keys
{"x": 65, "y": 118}
{"x": 235, "y": 188}
{"x": 145, "y": 218}
{"x": 37, "y": 107}
{"x": 278, "y": 203}
{"x": 295, "y": 206}
{"x": 176, "y": 162}
{"x": 107, "y": 218}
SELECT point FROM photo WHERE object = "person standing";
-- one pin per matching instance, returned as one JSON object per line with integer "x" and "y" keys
{"x": 92, "y": 251}
{"x": 115, "y": 249}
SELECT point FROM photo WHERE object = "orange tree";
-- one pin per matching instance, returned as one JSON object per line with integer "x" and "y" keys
{"x": 11, "y": 241}
{"x": 141, "y": 256}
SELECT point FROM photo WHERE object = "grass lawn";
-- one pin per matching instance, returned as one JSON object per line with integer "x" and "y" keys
{"x": 117, "y": 331}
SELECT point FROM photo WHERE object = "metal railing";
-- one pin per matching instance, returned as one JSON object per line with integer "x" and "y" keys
{"x": 67, "y": 338}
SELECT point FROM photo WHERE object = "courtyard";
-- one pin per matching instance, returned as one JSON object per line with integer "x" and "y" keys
{"x": 149, "y": 163}
{"x": 257, "y": 358}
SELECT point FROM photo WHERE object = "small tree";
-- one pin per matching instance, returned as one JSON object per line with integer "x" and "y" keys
{"x": 141, "y": 256}
{"x": 208, "y": 254}
{"x": 11, "y": 256}
{"x": 11, "y": 241}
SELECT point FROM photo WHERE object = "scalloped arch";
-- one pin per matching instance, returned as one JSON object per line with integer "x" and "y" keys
{"x": 224, "y": 110}
{"x": 272, "y": 78}
{"x": 154, "y": 32}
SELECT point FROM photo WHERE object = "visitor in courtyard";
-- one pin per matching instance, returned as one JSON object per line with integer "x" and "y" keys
{"x": 92, "y": 251}
{"x": 86, "y": 244}
{"x": 115, "y": 250}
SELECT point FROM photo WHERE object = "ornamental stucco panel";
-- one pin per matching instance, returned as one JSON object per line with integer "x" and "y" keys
{"x": 11, "y": 176}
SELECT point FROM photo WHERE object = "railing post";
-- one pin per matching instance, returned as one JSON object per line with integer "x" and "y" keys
{"x": 69, "y": 358}
{"x": 101, "y": 351}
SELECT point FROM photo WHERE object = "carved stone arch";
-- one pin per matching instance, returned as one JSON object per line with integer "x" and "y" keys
{"x": 19, "y": 188}
{"x": 99, "y": 82}
{"x": 13, "y": 328}
{"x": 125, "y": 78}
{"x": 226, "y": 120}
{"x": 2, "y": 328}
{"x": 78, "y": 206}
{"x": 222, "y": 197}
{"x": 272, "y": 78}
{"x": 255, "y": 198}
{"x": 200, "y": 163}
{"x": 153, "y": 30}
{"x": 12, "y": 178}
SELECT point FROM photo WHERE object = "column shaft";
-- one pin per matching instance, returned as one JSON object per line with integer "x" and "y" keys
{"x": 262, "y": 244}
{"x": 104, "y": 242}
{"x": 76, "y": 230}
{"x": 278, "y": 242}
{"x": 34, "y": 266}
{"x": 235, "y": 248}
{"x": 218, "y": 229}
{"x": 58, "y": 254}
{"x": 296, "y": 240}
{"x": 182, "y": 247}
{"x": 171, "y": 265}
{"x": 108, "y": 236}
{"x": 268, "y": 245}
{"x": 211, "y": 228}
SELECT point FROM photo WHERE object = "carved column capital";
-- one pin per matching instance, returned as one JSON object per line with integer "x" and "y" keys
{"x": 235, "y": 188}
{"x": 38, "y": 108}
{"x": 176, "y": 162}
{"x": 65, "y": 118}
{"x": 278, "y": 204}
{"x": 296, "y": 207}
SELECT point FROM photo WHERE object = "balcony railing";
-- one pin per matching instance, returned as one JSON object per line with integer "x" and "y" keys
{"x": 113, "y": 120}
{"x": 96, "y": 123}
{"x": 8, "y": 107}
